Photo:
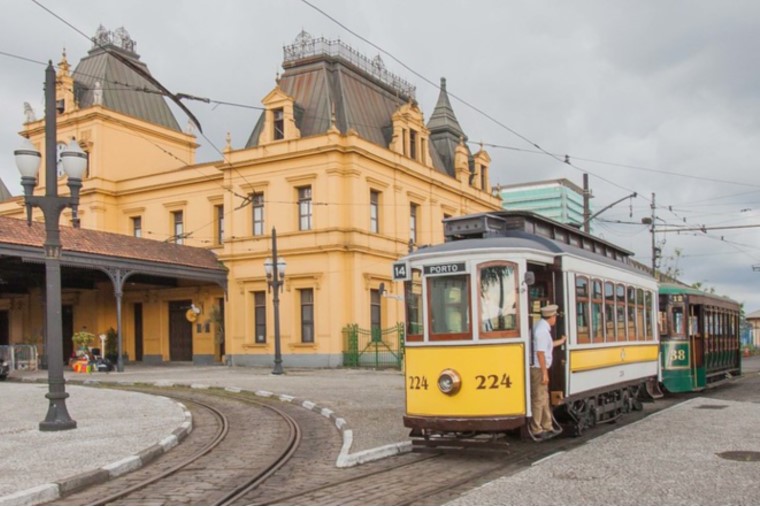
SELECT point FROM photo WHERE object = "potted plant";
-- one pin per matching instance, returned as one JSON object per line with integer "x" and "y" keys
{"x": 112, "y": 346}
{"x": 82, "y": 340}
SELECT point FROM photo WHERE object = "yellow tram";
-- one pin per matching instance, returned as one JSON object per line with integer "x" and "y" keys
{"x": 471, "y": 303}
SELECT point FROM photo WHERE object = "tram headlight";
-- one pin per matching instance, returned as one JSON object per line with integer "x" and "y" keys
{"x": 449, "y": 382}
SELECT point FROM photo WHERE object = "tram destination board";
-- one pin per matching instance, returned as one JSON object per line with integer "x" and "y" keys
{"x": 445, "y": 269}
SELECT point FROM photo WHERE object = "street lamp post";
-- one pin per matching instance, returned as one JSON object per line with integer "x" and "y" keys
{"x": 74, "y": 162}
{"x": 275, "y": 270}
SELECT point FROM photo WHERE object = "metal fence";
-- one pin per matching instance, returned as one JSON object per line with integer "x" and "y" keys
{"x": 373, "y": 348}
{"x": 20, "y": 357}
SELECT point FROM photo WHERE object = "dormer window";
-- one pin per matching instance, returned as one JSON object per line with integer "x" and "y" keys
{"x": 279, "y": 124}
{"x": 279, "y": 118}
{"x": 413, "y": 144}
{"x": 410, "y": 136}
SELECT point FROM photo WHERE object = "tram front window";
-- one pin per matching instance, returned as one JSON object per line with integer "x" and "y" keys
{"x": 449, "y": 307}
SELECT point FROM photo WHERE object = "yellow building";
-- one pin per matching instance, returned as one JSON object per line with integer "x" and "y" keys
{"x": 341, "y": 163}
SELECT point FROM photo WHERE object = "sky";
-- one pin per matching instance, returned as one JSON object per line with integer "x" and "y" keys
{"x": 652, "y": 97}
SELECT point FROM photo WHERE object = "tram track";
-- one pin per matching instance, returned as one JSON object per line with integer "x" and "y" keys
{"x": 305, "y": 473}
{"x": 225, "y": 461}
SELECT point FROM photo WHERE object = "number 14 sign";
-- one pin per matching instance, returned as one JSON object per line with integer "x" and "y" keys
{"x": 401, "y": 271}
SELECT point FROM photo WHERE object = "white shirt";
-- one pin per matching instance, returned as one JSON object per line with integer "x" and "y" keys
{"x": 542, "y": 342}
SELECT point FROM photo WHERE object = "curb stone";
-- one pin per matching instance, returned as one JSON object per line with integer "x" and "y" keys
{"x": 53, "y": 491}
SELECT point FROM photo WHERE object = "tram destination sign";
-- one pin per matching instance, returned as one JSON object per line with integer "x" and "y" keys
{"x": 445, "y": 269}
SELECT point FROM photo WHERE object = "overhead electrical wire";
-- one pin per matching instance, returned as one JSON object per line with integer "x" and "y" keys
{"x": 567, "y": 159}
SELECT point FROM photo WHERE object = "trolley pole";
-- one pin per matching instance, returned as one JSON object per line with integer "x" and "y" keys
{"x": 654, "y": 244}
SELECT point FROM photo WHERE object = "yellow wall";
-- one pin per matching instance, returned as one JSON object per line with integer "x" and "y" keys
{"x": 132, "y": 175}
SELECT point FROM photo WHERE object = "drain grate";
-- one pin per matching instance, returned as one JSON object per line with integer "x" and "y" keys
{"x": 712, "y": 407}
{"x": 740, "y": 455}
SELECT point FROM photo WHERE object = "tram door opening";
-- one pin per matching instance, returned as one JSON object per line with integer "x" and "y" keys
{"x": 547, "y": 290}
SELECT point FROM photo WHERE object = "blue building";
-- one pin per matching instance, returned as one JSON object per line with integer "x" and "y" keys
{"x": 560, "y": 200}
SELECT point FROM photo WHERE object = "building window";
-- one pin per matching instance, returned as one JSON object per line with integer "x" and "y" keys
{"x": 413, "y": 144}
{"x": 374, "y": 211}
{"x": 258, "y": 213}
{"x": 279, "y": 124}
{"x": 413, "y": 210}
{"x": 304, "y": 208}
{"x": 179, "y": 227}
{"x": 137, "y": 227}
{"x": 307, "y": 315}
{"x": 219, "y": 229}
{"x": 260, "y": 317}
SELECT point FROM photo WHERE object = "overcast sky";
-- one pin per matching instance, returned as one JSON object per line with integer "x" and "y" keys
{"x": 645, "y": 96}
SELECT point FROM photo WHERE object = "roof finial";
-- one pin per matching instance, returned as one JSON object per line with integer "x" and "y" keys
{"x": 228, "y": 146}
{"x": 443, "y": 84}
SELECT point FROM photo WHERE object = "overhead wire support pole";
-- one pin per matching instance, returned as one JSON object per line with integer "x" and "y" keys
{"x": 588, "y": 220}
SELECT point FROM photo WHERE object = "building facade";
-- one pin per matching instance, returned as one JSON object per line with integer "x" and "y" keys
{"x": 560, "y": 200}
{"x": 340, "y": 163}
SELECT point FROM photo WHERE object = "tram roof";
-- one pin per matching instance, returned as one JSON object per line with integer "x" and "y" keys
{"x": 499, "y": 223}
{"x": 519, "y": 239}
{"x": 672, "y": 289}
{"x": 528, "y": 230}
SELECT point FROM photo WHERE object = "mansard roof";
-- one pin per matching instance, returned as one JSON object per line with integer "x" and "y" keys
{"x": 122, "y": 89}
{"x": 330, "y": 82}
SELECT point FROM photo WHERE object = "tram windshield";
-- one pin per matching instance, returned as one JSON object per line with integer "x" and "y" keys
{"x": 449, "y": 307}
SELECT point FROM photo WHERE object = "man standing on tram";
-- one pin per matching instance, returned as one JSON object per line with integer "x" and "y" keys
{"x": 541, "y": 425}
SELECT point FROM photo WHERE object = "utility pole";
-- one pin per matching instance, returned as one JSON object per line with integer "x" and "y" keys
{"x": 586, "y": 205}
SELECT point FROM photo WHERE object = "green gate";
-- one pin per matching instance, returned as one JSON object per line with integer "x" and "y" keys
{"x": 373, "y": 348}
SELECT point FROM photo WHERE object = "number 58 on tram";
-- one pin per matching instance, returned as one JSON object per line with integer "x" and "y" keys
{"x": 471, "y": 303}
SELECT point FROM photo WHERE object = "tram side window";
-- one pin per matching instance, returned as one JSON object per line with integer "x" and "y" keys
{"x": 582, "y": 308}
{"x": 640, "y": 332}
{"x": 631, "y": 293}
{"x": 648, "y": 317}
{"x": 449, "y": 304}
{"x": 609, "y": 312}
{"x": 498, "y": 300}
{"x": 620, "y": 311}
{"x": 413, "y": 302}
{"x": 678, "y": 322}
{"x": 597, "y": 331}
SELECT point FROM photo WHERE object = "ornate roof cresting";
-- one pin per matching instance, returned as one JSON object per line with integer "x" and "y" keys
{"x": 119, "y": 38}
{"x": 306, "y": 46}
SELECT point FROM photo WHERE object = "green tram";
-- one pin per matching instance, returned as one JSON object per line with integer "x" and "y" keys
{"x": 699, "y": 338}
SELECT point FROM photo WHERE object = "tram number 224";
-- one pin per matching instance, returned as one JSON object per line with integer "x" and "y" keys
{"x": 493, "y": 381}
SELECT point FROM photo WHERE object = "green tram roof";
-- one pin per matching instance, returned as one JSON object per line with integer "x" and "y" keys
{"x": 696, "y": 295}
